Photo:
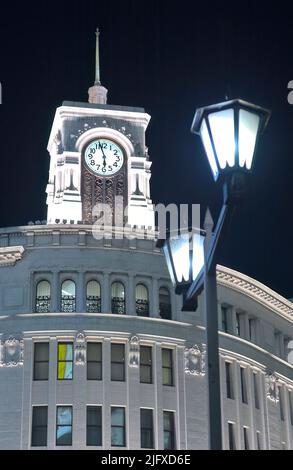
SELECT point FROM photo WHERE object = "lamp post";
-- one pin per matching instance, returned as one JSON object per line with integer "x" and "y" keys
{"x": 229, "y": 132}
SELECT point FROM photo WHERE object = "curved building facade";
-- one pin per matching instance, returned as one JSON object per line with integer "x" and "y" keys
{"x": 96, "y": 353}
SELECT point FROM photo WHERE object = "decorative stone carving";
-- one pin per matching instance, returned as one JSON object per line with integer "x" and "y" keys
{"x": 10, "y": 254}
{"x": 11, "y": 352}
{"x": 80, "y": 350}
{"x": 58, "y": 142}
{"x": 195, "y": 360}
{"x": 134, "y": 352}
{"x": 103, "y": 190}
{"x": 272, "y": 389}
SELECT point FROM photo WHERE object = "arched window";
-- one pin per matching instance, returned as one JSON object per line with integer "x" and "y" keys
{"x": 165, "y": 303}
{"x": 68, "y": 296}
{"x": 142, "y": 301}
{"x": 43, "y": 297}
{"x": 93, "y": 297}
{"x": 118, "y": 298}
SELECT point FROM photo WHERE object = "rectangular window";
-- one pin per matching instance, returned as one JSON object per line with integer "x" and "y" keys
{"x": 64, "y": 426}
{"x": 281, "y": 402}
{"x": 39, "y": 426}
{"x": 243, "y": 385}
{"x": 118, "y": 427}
{"x": 238, "y": 324}
{"x": 252, "y": 329}
{"x": 231, "y": 436}
{"x": 229, "y": 383}
{"x": 255, "y": 387}
{"x": 118, "y": 362}
{"x": 169, "y": 430}
{"x": 224, "y": 313}
{"x": 258, "y": 440}
{"x": 291, "y": 406}
{"x": 94, "y": 361}
{"x": 146, "y": 364}
{"x": 245, "y": 438}
{"x": 94, "y": 426}
{"x": 146, "y": 429}
{"x": 167, "y": 366}
{"x": 65, "y": 361}
{"x": 277, "y": 337}
{"x": 41, "y": 361}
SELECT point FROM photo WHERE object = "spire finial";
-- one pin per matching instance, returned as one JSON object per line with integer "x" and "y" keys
{"x": 97, "y": 76}
{"x": 97, "y": 93}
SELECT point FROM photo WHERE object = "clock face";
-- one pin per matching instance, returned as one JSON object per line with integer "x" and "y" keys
{"x": 103, "y": 157}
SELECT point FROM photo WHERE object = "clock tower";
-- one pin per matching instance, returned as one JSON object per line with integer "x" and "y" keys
{"x": 98, "y": 156}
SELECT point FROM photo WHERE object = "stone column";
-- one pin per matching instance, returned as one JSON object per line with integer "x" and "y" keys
{"x": 80, "y": 293}
{"x": 106, "y": 293}
{"x": 130, "y": 298}
{"x": 55, "y": 293}
{"x": 154, "y": 299}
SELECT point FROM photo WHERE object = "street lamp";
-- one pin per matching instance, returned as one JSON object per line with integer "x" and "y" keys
{"x": 184, "y": 253}
{"x": 230, "y": 132}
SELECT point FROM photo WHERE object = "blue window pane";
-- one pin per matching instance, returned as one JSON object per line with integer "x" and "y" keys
{"x": 64, "y": 436}
{"x": 117, "y": 418}
{"x": 117, "y": 437}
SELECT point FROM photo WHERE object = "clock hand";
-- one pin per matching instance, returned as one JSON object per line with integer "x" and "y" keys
{"x": 104, "y": 160}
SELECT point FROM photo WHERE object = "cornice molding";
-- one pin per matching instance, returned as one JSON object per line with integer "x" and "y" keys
{"x": 255, "y": 290}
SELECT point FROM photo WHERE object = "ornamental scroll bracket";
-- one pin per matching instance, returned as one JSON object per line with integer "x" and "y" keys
{"x": 133, "y": 358}
{"x": 195, "y": 358}
{"x": 80, "y": 349}
{"x": 11, "y": 352}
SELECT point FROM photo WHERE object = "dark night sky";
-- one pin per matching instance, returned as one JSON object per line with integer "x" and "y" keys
{"x": 169, "y": 57}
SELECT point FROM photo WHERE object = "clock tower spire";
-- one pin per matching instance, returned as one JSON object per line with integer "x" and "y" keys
{"x": 97, "y": 93}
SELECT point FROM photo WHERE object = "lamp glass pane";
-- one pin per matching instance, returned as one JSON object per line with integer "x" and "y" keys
{"x": 197, "y": 254}
{"x": 169, "y": 264}
{"x": 208, "y": 148}
{"x": 248, "y": 130}
{"x": 180, "y": 253}
{"x": 222, "y": 129}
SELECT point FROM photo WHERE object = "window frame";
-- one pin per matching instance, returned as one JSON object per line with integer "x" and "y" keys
{"x": 99, "y": 426}
{"x": 231, "y": 436}
{"x": 229, "y": 381}
{"x": 64, "y": 425}
{"x": 172, "y": 431}
{"x": 243, "y": 385}
{"x": 36, "y": 310}
{"x": 90, "y": 361}
{"x": 148, "y": 429}
{"x": 246, "y": 438}
{"x": 169, "y": 317}
{"x": 119, "y": 362}
{"x": 43, "y": 362}
{"x": 224, "y": 318}
{"x": 124, "y": 297}
{"x": 39, "y": 426}
{"x": 62, "y": 310}
{"x": 69, "y": 361}
{"x": 145, "y": 365}
{"x": 256, "y": 390}
{"x": 98, "y": 298}
{"x": 169, "y": 368}
{"x": 118, "y": 426}
{"x": 137, "y": 300}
